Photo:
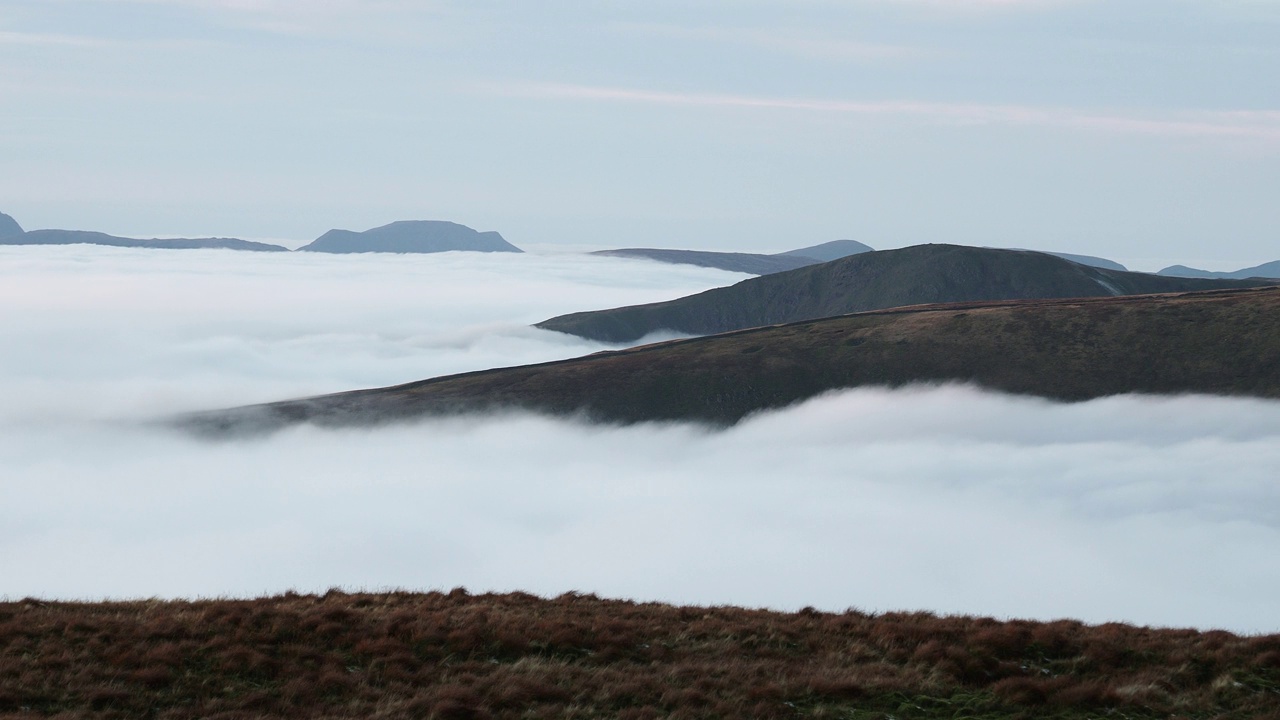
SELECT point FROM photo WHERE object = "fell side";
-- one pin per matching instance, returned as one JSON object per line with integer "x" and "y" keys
{"x": 1223, "y": 342}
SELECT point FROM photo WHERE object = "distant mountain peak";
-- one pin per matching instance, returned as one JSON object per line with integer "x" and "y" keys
{"x": 828, "y": 251}
{"x": 8, "y": 226}
{"x": 411, "y": 236}
{"x": 1265, "y": 270}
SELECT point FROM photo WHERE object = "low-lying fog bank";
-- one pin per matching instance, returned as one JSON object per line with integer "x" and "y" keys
{"x": 105, "y": 331}
{"x": 1148, "y": 510}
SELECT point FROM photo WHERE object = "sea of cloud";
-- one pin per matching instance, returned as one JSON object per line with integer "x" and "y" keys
{"x": 1150, "y": 510}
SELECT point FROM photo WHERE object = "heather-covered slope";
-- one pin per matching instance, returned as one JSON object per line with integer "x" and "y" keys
{"x": 411, "y": 236}
{"x": 445, "y": 656}
{"x": 1216, "y": 342}
{"x": 75, "y": 237}
{"x": 872, "y": 281}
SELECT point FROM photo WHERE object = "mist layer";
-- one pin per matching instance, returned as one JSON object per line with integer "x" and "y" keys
{"x": 1147, "y": 510}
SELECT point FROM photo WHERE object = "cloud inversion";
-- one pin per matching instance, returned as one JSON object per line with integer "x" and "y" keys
{"x": 1148, "y": 510}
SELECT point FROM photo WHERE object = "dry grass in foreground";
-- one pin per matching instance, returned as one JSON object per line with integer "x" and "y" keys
{"x": 436, "y": 655}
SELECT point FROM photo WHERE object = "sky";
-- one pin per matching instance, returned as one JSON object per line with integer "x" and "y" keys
{"x": 1149, "y": 510}
{"x": 1146, "y": 131}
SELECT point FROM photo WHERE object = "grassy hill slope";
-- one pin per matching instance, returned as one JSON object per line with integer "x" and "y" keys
{"x": 453, "y": 656}
{"x": 1224, "y": 342}
{"x": 872, "y": 281}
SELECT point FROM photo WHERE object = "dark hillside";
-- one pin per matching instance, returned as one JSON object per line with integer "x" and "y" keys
{"x": 452, "y": 656}
{"x": 1225, "y": 342}
{"x": 872, "y": 281}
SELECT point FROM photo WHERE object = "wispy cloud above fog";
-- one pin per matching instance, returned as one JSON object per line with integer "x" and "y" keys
{"x": 1263, "y": 126}
{"x": 1149, "y": 510}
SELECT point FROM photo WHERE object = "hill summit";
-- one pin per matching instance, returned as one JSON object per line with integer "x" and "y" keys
{"x": 874, "y": 281}
{"x": 411, "y": 236}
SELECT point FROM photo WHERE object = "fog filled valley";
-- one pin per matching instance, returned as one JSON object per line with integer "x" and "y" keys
{"x": 1150, "y": 510}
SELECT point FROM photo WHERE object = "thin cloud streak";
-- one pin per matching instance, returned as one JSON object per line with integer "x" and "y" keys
{"x": 1248, "y": 125}
{"x": 803, "y": 44}
{"x": 10, "y": 37}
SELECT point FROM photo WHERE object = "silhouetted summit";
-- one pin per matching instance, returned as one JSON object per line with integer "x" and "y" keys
{"x": 411, "y": 236}
{"x": 873, "y": 281}
{"x": 828, "y": 251}
{"x": 8, "y": 226}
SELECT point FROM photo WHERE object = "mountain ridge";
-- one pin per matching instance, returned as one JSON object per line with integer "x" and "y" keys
{"x": 1265, "y": 270}
{"x": 89, "y": 237}
{"x": 411, "y": 236}
{"x": 401, "y": 236}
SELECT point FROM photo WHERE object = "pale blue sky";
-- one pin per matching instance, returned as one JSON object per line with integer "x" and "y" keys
{"x": 1143, "y": 130}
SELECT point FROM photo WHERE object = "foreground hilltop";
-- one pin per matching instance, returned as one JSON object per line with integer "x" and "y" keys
{"x": 9, "y": 227}
{"x": 1224, "y": 343}
{"x": 435, "y": 655}
{"x": 873, "y": 281}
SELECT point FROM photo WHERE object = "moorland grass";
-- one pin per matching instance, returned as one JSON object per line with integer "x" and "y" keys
{"x": 455, "y": 655}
